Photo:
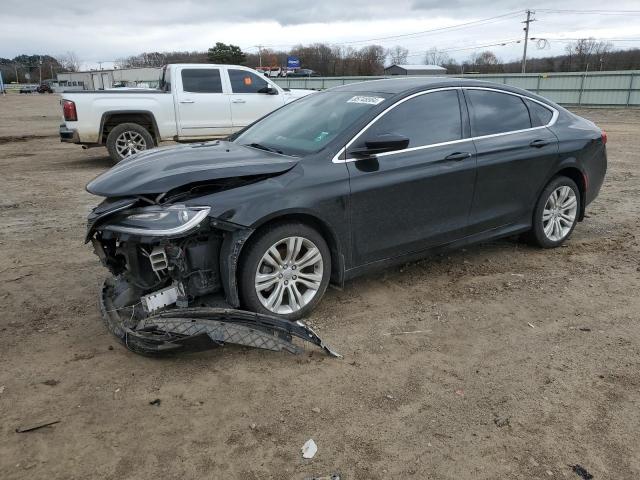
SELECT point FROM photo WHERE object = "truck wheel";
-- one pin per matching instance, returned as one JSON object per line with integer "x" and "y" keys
{"x": 127, "y": 139}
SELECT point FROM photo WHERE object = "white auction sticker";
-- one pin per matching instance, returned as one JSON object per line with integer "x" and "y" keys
{"x": 367, "y": 100}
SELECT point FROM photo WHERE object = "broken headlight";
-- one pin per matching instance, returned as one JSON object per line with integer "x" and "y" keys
{"x": 158, "y": 221}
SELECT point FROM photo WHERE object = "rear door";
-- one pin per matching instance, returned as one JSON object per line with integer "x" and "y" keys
{"x": 515, "y": 154}
{"x": 249, "y": 97}
{"x": 408, "y": 200}
{"x": 202, "y": 105}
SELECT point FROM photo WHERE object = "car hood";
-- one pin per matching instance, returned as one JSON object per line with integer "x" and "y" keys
{"x": 163, "y": 169}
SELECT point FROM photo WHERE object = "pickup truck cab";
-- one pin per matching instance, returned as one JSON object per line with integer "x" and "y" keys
{"x": 193, "y": 102}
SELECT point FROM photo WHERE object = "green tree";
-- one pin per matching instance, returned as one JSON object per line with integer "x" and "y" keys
{"x": 228, "y": 54}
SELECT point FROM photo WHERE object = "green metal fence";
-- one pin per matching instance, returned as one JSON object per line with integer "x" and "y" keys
{"x": 589, "y": 89}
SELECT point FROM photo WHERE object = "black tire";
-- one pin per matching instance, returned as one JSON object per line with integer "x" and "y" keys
{"x": 252, "y": 255}
{"x": 537, "y": 235}
{"x": 123, "y": 128}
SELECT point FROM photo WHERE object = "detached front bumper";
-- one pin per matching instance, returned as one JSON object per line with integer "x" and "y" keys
{"x": 196, "y": 329}
{"x": 68, "y": 135}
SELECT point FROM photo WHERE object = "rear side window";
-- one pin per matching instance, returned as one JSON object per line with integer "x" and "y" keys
{"x": 247, "y": 82}
{"x": 494, "y": 112}
{"x": 539, "y": 115}
{"x": 425, "y": 120}
{"x": 201, "y": 80}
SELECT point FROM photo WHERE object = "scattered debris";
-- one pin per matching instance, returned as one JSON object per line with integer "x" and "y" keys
{"x": 82, "y": 356}
{"x": 15, "y": 279}
{"x": 315, "y": 409}
{"x": 531, "y": 325}
{"x": 389, "y": 397}
{"x": 253, "y": 426}
{"x": 1, "y": 388}
{"x": 407, "y": 333}
{"x": 36, "y": 426}
{"x": 51, "y": 382}
{"x": 581, "y": 472}
{"x": 110, "y": 347}
{"x": 502, "y": 421}
{"x": 155, "y": 402}
{"x": 550, "y": 473}
{"x": 309, "y": 449}
{"x": 460, "y": 393}
{"x": 333, "y": 476}
{"x": 584, "y": 329}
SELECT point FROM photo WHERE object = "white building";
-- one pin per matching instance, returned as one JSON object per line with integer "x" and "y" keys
{"x": 415, "y": 70}
{"x": 102, "y": 79}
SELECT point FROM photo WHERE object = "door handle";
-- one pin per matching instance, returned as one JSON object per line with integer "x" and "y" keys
{"x": 187, "y": 101}
{"x": 539, "y": 143}
{"x": 457, "y": 156}
{"x": 238, "y": 100}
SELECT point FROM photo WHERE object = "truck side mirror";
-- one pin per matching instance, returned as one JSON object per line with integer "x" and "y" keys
{"x": 269, "y": 90}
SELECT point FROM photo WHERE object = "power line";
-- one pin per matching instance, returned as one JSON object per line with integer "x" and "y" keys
{"x": 423, "y": 32}
{"x": 590, "y": 12}
{"x": 472, "y": 47}
{"x": 440, "y": 29}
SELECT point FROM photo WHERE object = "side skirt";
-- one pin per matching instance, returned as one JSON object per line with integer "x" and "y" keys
{"x": 493, "y": 234}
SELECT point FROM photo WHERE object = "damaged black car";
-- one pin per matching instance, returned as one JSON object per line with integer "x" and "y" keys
{"x": 334, "y": 185}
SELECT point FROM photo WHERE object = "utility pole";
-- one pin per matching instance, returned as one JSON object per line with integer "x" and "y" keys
{"x": 259, "y": 47}
{"x": 40, "y": 70}
{"x": 526, "y": 40}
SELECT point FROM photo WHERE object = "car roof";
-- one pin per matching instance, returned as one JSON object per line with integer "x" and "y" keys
{"x": 407, "y": 85}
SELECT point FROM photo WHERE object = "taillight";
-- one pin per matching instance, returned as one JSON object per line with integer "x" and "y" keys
{"x": 69, "y": 111}
{"x": 604, "y": 137}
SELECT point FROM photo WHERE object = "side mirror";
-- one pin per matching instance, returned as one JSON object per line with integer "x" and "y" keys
{"x": 269, "y": 90}
{"x": 387, "y": 142}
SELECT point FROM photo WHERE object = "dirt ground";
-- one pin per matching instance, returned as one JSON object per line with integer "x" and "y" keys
{"x": 525, "y": 361}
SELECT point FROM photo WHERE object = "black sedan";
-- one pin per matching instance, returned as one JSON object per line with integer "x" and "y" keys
{"x": 339, "y": 183}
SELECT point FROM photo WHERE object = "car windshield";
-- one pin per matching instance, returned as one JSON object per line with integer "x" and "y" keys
{"x": 307, "y": 125}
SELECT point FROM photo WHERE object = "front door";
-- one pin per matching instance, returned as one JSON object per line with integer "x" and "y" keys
{"x": 408, "y": 200}
{"x": 249, "y": 98}
{"x": 515, "y": 155}
{"x": 203, "y": 107}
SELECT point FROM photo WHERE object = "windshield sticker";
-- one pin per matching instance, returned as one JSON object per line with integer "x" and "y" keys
{"x": 367, "y": 100}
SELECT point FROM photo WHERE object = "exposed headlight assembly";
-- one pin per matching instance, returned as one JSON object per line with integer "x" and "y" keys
{"x": 158, "y": 221}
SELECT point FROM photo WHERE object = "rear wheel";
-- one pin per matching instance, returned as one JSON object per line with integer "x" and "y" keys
{"x": 285, "y": 271}
{"x": 556, "y": 213}
{"x": 127, "y": 139}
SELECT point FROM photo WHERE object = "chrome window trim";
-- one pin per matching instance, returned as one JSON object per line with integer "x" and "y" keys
{"x": 554, "y": 117}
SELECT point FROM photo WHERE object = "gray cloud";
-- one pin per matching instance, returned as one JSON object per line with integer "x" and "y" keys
{"x": 106, "y": 30}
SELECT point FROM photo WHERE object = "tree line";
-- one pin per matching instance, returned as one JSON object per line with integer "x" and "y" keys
{"x": 330, "y": 60}
{"x": 585, "y": 54}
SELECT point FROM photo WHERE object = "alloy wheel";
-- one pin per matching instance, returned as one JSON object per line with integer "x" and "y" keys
{"x": 289, "y": 275}
{"x": 130, "y": 142}
{"x": 559, "y": 213}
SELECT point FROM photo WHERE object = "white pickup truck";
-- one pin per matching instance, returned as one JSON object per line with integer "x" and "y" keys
{"x": 193, "y": 102}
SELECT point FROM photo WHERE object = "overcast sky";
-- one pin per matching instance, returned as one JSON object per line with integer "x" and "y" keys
{"x": 104, "y": 31}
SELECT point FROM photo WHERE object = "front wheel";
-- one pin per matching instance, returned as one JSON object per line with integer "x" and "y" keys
{"x": 285, "y": 271}
{"x": 127, "y": 139}
{"x": 556, "y": 213}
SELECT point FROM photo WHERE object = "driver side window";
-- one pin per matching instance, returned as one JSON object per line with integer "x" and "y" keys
{"x": 425, "y": 120}
{"x": 243, "y": 81}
